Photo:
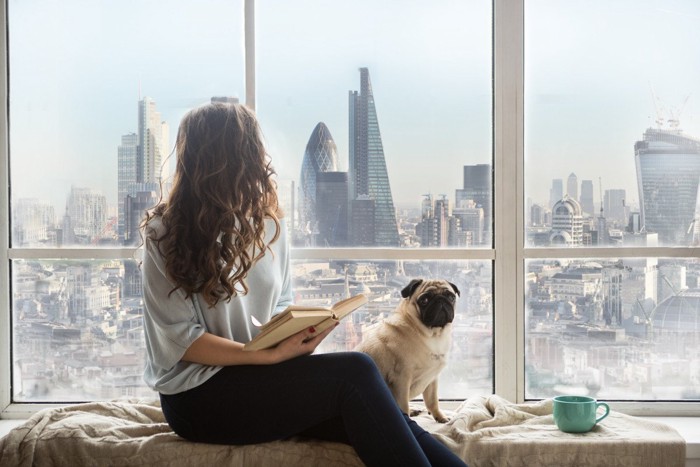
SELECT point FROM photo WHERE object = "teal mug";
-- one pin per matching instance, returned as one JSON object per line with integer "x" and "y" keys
{"x": 577, "y": 414}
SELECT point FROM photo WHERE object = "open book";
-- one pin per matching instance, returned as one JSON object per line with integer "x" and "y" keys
{"x": 298, "y": 317}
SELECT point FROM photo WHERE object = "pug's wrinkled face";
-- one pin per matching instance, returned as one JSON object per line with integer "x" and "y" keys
{"x": 434, "y": 301}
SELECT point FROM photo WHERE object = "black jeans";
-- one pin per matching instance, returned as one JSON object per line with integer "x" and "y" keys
{"x": 336, "y": 397}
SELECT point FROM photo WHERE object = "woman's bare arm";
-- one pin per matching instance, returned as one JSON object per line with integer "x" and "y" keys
{"x": 210, "y": 349}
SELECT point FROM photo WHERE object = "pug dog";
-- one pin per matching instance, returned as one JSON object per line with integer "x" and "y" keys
{"x": 410, "y": 347}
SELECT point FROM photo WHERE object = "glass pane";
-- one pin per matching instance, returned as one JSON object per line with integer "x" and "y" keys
{"x": 97, "y": 91}
{"x": 77, "y": 330}
{"x": 78, "y": 325}
{"x": 612, "y": 123}
{"x": 469, "y": 370}
{"x": 625, "y": 329}
{"x": 378, "y": 119}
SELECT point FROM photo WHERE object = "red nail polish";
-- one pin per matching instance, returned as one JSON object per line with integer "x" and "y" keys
{"x": 312, "y": 329}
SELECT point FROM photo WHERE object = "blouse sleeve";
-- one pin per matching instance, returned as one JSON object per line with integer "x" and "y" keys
{"x": 285, "y": 298}
{"x": 170, "y": 320}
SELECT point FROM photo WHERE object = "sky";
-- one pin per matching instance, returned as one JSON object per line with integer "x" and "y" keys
{"x": 592, "y": 70}
{"x": 78, "y": 67}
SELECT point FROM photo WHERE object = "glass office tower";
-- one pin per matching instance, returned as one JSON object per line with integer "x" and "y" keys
{"x": 477, "y": 187}
{"x": 668, "y": 171}
{"x": 321, "y": 155}
{"x": 368, "y": 177}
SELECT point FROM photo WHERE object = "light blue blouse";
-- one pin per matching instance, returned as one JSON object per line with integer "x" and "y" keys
{"x": 172, "y": 322}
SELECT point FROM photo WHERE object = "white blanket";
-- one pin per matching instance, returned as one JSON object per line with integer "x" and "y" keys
{"x": 483, "y": 431}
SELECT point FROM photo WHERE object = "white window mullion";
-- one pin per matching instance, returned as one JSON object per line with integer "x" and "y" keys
{"x": 249, "y": 28}
{"x": 508, "y": 202}
{"x": 428, "y": 254}
{"x": 73, "y": 253}
{"x": 5, "y": 330}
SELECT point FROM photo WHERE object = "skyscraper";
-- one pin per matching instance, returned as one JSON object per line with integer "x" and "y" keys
{"x": 321, "y": 155}
{"x": 87, "y": 210}
{"x": 477, "y": 187}
{"x": 614, "y": 205}
{"x": 587, "y": 197}
{"x": 602, "y": 229}
{"x": 136, "y": 203}
{"x": 362, "y": 221}
{"x": 127, "y": 163}
{"x": 466, "y": 224}
{"x": 138, "y": 198}
{"x": 368, "y": 177}
{"x": 536, "y": 215}
{"x": 332, "y": 208}
{"x": 556, "y": 192}
{"x": 434, "y": 228}
{"x": 668, "y": 172}
{"x": 442, "y": 214}
{"x": 153, "y": 142}
{"x": 140, "y": 160}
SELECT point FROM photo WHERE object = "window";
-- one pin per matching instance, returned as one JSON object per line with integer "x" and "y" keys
{"x": 612, "y": 163}
{"x": 381, "y": 134}
{"x": 475, "y": 141}
{"x": 96, "y": 91}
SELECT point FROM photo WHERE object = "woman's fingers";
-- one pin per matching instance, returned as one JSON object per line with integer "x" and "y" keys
{"x": 302, "y": 343}
{"x": 311, "y": 336}
{"x": 317, "y": 338}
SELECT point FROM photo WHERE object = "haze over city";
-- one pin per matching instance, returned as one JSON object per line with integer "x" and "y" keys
{"x": 588, "y": 94}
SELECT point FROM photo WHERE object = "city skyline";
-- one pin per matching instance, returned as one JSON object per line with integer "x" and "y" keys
{"x": 588, "y": 98}
{"x": 321, "y": 149}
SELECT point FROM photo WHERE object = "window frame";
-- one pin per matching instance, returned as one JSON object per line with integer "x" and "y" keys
{"x": 508, "y": 254}
{"x": 5, "y": 321}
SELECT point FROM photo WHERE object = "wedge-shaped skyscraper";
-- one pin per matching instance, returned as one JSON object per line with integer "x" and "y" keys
{"x": 371, "y": 203}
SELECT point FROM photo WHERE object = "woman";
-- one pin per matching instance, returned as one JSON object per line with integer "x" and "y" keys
{"x": 216, "y": 255}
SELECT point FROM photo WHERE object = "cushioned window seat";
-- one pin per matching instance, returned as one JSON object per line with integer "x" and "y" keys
{"x": 484, "y": 431}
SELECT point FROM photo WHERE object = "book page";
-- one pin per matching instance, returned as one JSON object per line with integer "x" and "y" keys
{"x": 344, "y": 307}
{"x": 297, "y": 321}
{"x": 297, "y": 317}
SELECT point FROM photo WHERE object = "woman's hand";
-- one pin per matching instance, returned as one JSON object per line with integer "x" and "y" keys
{"x": 209, "y": 349}
{"x": 301, "y": 343}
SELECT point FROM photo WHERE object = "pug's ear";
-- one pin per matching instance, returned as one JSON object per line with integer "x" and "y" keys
{"x": 454, "y": 287}
{"x": 411, "y": 287}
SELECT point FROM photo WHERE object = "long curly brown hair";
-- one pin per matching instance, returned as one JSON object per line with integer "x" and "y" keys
{"x": 222, "y": 192}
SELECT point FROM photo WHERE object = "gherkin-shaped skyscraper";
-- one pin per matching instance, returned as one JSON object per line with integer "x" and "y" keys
{"x": 321, "y": 155}
{"x": 372, "y": 214}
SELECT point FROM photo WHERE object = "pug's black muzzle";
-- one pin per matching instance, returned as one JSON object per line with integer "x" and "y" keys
{"x": 438, "y": 312}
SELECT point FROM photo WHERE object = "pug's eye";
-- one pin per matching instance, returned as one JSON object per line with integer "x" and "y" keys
{"x": 451, "y": 298}
{"x": 423, "y": 300}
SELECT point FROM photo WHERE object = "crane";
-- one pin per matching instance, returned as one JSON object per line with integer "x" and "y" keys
{"x": 658, "y": 108}
{"x": 660, "y": 111}
{"x": 675, "y": 114}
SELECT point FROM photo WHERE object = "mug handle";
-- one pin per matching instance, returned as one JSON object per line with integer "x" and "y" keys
{"x": 607, "y": 410}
